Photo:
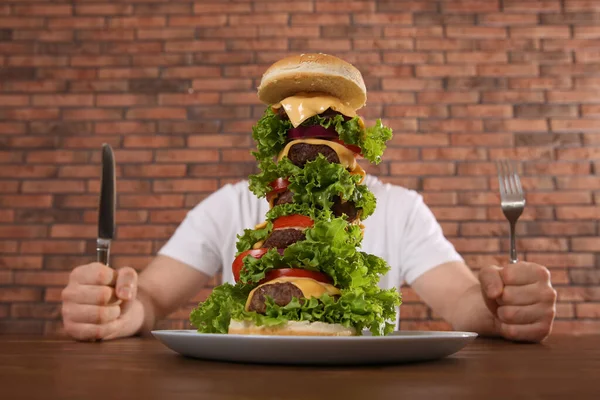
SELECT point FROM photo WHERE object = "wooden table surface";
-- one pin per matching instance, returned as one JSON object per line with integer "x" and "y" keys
{"x": 564, "y": 367}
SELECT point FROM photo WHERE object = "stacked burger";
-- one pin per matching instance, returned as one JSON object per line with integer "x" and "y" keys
{"x": 301, "y": 271}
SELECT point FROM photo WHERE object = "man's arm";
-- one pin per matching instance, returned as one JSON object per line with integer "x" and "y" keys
{"x": 516, "y": 302}
{"x": 102, "y": 303}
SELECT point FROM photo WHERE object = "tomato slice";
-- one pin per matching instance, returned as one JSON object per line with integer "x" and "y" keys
{"x": 295, "y": 272}
{"x": 279, "y": 185}
{"x": 292, "y": 221}
{"x": 353, "y": 148}
{"x": 238, "y": 263}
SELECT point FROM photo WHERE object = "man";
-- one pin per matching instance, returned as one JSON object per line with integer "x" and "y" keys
{"x": 516, "y": 302}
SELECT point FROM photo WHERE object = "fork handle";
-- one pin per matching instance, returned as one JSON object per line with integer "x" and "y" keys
{"x": 513, "y": 246}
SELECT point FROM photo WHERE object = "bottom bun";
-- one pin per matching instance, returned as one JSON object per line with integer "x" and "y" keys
{"x": 291, "y": 328}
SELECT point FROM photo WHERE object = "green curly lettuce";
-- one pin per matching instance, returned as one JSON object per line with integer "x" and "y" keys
{"x": 330, "y": 247}
{"x": 360, "y": 308}
{"x": 270, "y": 134}
{"x": 317, "y": 184}
{"x": 249, "y": 237}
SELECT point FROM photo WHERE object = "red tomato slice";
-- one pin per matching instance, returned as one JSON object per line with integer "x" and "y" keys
{"x": 238, "y": 263}
{"x": 296, "y": 272}
{"x": 353, "y": 148}
{"x": 279, "y": 185}
{"x": 293, "y": 221}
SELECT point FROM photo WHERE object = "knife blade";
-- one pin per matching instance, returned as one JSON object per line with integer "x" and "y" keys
{"x": 106, "y": 206}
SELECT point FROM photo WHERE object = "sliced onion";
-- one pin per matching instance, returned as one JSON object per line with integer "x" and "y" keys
{"x": 311, "y": 131}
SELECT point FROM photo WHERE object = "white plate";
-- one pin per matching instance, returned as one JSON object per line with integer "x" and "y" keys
{"x": 398, "y": 347}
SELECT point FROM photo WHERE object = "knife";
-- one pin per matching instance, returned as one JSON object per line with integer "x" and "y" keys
{"x": 107, "y": 204}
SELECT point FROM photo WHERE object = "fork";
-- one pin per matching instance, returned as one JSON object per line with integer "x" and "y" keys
{"x": 512, "y": 199}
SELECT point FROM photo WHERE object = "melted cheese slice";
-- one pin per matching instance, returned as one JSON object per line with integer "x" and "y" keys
{"x": 302, "y": 106}
{"x": 346, "y": 157}
{"x": 309, "y": 287}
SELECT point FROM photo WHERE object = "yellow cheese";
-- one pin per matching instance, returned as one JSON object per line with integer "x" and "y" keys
{"x": 309, "y": 287}
{"x": 302, "y": 106}
{"x": 346, "y": 157}
{"x": 258, "y": 245}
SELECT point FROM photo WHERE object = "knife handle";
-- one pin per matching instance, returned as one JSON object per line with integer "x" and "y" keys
{"x": 103, "y": 251}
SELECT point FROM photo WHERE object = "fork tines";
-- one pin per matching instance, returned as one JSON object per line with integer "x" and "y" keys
{"x": 508, "y": 180}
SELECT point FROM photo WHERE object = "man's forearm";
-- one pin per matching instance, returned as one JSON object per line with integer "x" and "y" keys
{"x": 471, "y": 314}
{"x": 149, "y": 312}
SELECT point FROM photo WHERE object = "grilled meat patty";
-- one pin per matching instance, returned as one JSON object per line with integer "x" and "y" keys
{"x": 301, "y": 153}
{"x": 282, "y": 238}
{"x": 281, "y": 293}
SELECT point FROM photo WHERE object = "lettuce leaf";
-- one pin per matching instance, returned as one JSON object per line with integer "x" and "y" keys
{"x": 361, "y": 308}
{"x": 270, "y": 134}
{"x": 316, "y": 184}
{"x": 249, "y": 237}
{"x": 330, "y": 247}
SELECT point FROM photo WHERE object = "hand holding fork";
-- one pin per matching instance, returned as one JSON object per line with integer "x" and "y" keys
{"x": 519, "y": 295}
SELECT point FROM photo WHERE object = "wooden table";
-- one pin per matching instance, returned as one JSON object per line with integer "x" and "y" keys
{"x": 36, "y": 368}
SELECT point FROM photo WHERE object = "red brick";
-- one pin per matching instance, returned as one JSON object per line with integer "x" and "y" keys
{"x": 482, "y": 139}
{"x": 52, "y": 246}
{"x": 219, "y": 8}
{"x": 198, "y": 20}
{"x": 391, "y": 98}
{"x": 92, "y": 114}
{"x": 186, "y": 155}
{"x": 579, "y": 212}
{"x": 558, "y": 168}
{"x": 375, "y": 19}
{"x": 277, "y": 31}
{"x": 103, "y": 9}
{"x": 144, "y": 232}
{"x": 332, "y": 44}
{"x": 476, "y": 57}
{"x": 581, "y": 5}
{"x": 451, "y": 125}
{"x": 151, "y": 201}
{"x": 540, "y": 83}
{"x": 41, "y": 278}
{"x": 454, "y": 153}
{"x": 11, "y": 22}
{"x": 303, "y": 6}
{"x": 153, "y": 141}
{"x": 162, "y": 9}
{"x": 37, "y": 61}
{"x": 419, "y": 139}
{"x": 502, "y": 19}
{"x": 12, "y": 128}
{"x": 482, "y": 111}
{"x": 15, "y": 294}
{"x": 156, "y": 113}
{"x": 545, "y": 32}
{"x": 421, "y": 169}
{"x": 578, "y": 182}
{"x": 185, "y": 46}
{"x": 475, "y": 32}
{"x": 309, "y": 19}
{"x": 166, "y": 33}
{"x": 445, "y": 44}
{"x": 574, "y": 125}
{"x": 456, "y": 213}
{"x": 581, "y": 96}
{"x": 76, "y": 23}
{"x": 26, "y": 201}
{"x": 508, "y": 70}
{"x": 513, "y": 97}
{"x": 62, "y": 100}
{"x": 38, "y": 311}
{"x": 445, "y": 70}
{"x": 191, "y": 72}
{"x": 128, "y": 73}
{"x": 447, "y": 97}
{"x": 154, "y": 171}
{"x": 508, "y": 44}
{"x": 218, "y": 140}
{"x": 440, "y": 199}
{"x": 189, "y": 98}
{"x": 153, "y": 21}
{"x": 184, "y": 185}
{"x": 404, "y": 154}
{"x": 99, "y": 61}
{"x": 533, "y": 6}
{"x": 412, "y": 58}
{"x": 44, "y": 35}
{"x": 262, "y": 18}
{"x": 588, "y": 310}
{"x": 588, "y": 56}
{"x": 517, "y": 125}
{"x": 413, "y": 32}
{"x": 416, "y": 111}
{"x": 53, "y": 186}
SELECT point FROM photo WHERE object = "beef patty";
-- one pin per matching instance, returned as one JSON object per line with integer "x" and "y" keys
{"x": 281, "y": 293}
{"x": 301, "y": 153}
{"x": 284, "y": 198}
{"x": 282, "y": 238}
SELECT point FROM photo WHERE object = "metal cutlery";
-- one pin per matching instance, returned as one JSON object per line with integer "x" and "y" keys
{"x": 106, "y": 207}
{"x": 512, "y": 199}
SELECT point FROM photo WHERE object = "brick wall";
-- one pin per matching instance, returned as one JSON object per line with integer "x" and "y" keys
{"x": 170, "y": 85}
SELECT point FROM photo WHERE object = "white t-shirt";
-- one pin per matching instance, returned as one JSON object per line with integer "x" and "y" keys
{"x": 402, "y": 230}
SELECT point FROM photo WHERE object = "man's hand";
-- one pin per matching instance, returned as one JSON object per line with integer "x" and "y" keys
{"x": 522, "y": 300}
{"x": 100, "y": 303}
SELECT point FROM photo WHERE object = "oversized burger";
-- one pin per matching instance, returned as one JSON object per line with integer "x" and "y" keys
{"x": 301, "y": 271}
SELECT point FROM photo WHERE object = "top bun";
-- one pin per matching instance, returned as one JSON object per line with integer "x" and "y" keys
{"x": 313, "y": 73}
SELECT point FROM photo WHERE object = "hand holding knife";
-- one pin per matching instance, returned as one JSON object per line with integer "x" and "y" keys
{"x": 106, "y": 207}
